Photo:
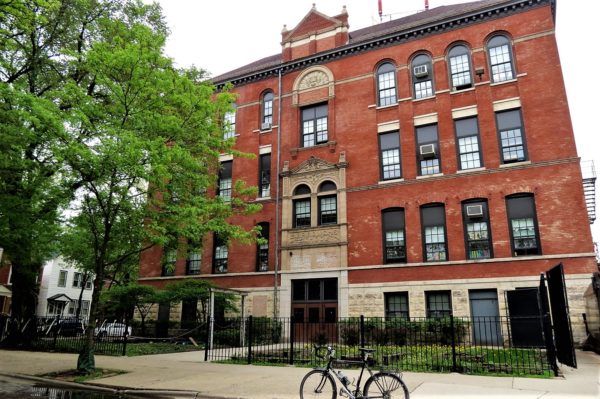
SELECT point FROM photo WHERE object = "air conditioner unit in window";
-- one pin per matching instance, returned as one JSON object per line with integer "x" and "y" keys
{"x": 427, "y": 150}
{"x": 420, "y": 71}
{"x": 474, "y": 211}
{"x": 265, "y": 126}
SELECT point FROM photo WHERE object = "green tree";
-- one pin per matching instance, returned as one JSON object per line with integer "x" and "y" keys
{"x": 124, "y": 298}
{"x": 133, "y": 142}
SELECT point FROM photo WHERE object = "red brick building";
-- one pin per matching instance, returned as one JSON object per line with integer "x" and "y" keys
{"x": 413, "y": 167}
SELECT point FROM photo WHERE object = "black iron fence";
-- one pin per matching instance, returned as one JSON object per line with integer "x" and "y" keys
{"x": 61, "y": 334}
{"x": 479, "y": 345}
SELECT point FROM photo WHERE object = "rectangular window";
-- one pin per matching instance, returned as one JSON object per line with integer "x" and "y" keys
{"x": 85, "y": 309}
{"x": 389, "y": 145}
{"x": 262, "y": 250}
{"x": 423, "y": 89}
{"x": 71, "y": 310}
{"x": 229, "y": 125}
{"x": 220, "y": 256}
{"x": 467, "y": 137}
{"x": 396, "y": 305}
{"x": 62, "y": 278}
{"x": 193, "y": 260}
{"x": 225, "y": 180}
{"x": 512, "y": 140}
{"x": 77, "y": 280}
{"x": 328, "y": 209}
{"x": 314, "y": 125}
{"x": 265, "y": 176}
{"x": 302, "y": 212}
{"x": 433, "y": 220}
{"x": 88, "y": 283}
{"x": 393, "y": 234}
{"x": 523, "y": 225}
{"x": 477, "y": 230}
{"x": 438, "y": 304}
{"x": 428, "y": 150}
{"x": 168, "y": 262}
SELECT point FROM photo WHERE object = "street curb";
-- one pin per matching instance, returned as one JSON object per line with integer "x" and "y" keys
{"x": 118, "y": 390}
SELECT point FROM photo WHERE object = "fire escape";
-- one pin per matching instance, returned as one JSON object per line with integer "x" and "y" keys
{"x": 589, "y": 188}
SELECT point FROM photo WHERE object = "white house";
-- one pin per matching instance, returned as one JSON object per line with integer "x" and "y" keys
{"x": 60, "y": 288}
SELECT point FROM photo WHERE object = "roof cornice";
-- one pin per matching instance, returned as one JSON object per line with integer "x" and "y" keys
{"x": 413, "y": 33}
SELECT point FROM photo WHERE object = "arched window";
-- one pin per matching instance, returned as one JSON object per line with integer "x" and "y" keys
{"x": 501, "y": 60}
{"x": 433, "y": 223}
{"x": 267, "y": 111}
{"x": 386, "y": 84}
{"x": 460, "y": 67}
{"x": 476, "y": 219}
{"x": 301, "y": 204}
{"x": 422, "y": 76}
{"x": 327, "y": 203}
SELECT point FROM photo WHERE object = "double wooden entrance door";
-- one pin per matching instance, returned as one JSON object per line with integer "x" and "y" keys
{"x": 315, "y": 310}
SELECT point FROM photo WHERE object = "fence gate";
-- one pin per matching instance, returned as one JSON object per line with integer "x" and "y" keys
{"x": 557, "y": 291}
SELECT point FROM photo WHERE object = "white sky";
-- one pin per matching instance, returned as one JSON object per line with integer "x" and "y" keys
{"x": 222, "y": 35}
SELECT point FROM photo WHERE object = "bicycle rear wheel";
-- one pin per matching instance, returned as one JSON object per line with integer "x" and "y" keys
{"x": 318, "y": 384}
{"x": 385, "y": 385}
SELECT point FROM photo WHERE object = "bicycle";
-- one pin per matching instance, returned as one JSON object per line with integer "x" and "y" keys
{"x": 320, "y": 382}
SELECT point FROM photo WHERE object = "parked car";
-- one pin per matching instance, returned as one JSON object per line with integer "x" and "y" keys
{"x": 68, "y": 328}
{"x": 112, "y": 330}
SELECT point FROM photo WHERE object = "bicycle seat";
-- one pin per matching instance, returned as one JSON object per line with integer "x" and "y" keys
{"x": 366, "y": 350}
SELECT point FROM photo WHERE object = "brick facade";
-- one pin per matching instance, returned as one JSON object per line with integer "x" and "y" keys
{"x": 352, "y": 249}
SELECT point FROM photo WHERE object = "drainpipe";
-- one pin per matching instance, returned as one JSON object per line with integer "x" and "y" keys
{"x": 277, "y": 200}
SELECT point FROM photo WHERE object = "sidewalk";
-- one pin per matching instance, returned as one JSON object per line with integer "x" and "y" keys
{"x": 188, "y": 371}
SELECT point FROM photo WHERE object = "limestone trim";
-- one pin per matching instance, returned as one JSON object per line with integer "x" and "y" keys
{"x": 313, "y": 78}
{"x": 388, "y": 126}
{"x": 508, "y": 103}
{"x": 464, "y": 112}
{"x": 425, "y": 119}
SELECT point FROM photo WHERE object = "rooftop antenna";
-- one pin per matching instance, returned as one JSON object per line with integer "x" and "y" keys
{"x": 380, "y": 10}
{"x": 426, "y": 5}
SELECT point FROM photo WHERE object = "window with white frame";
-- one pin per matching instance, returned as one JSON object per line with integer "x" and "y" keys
{"x": 422, "y": 76}
{"x": 267, "y": 111}
{"x": 327, "y": 203}
{"x": 386, "y": 84}
{"x": 77, "y": 280}
{"x": 460, "y": 67}
{"x": 229, "y": 124}
{"x": 467, "y": 137}
{"x": 500, "y": 56}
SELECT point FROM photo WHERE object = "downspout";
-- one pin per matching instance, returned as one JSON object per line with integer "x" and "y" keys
{"x": 277, "y": 200}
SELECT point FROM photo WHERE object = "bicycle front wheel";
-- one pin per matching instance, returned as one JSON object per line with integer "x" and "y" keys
{"x": 385, "y": 385}
{"x": 318, "y": 384}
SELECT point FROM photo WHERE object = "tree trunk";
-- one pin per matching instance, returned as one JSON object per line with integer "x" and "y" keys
{"x": 86, "y": 362}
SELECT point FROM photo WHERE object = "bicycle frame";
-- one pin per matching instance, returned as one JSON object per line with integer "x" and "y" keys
{"x": 346, "y": 389}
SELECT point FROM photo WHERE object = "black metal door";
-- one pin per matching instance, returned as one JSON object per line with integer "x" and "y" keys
{"x": 162, "y": 322}
{"x": 563, "y": 335}
{"x": 525, "y": 318}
